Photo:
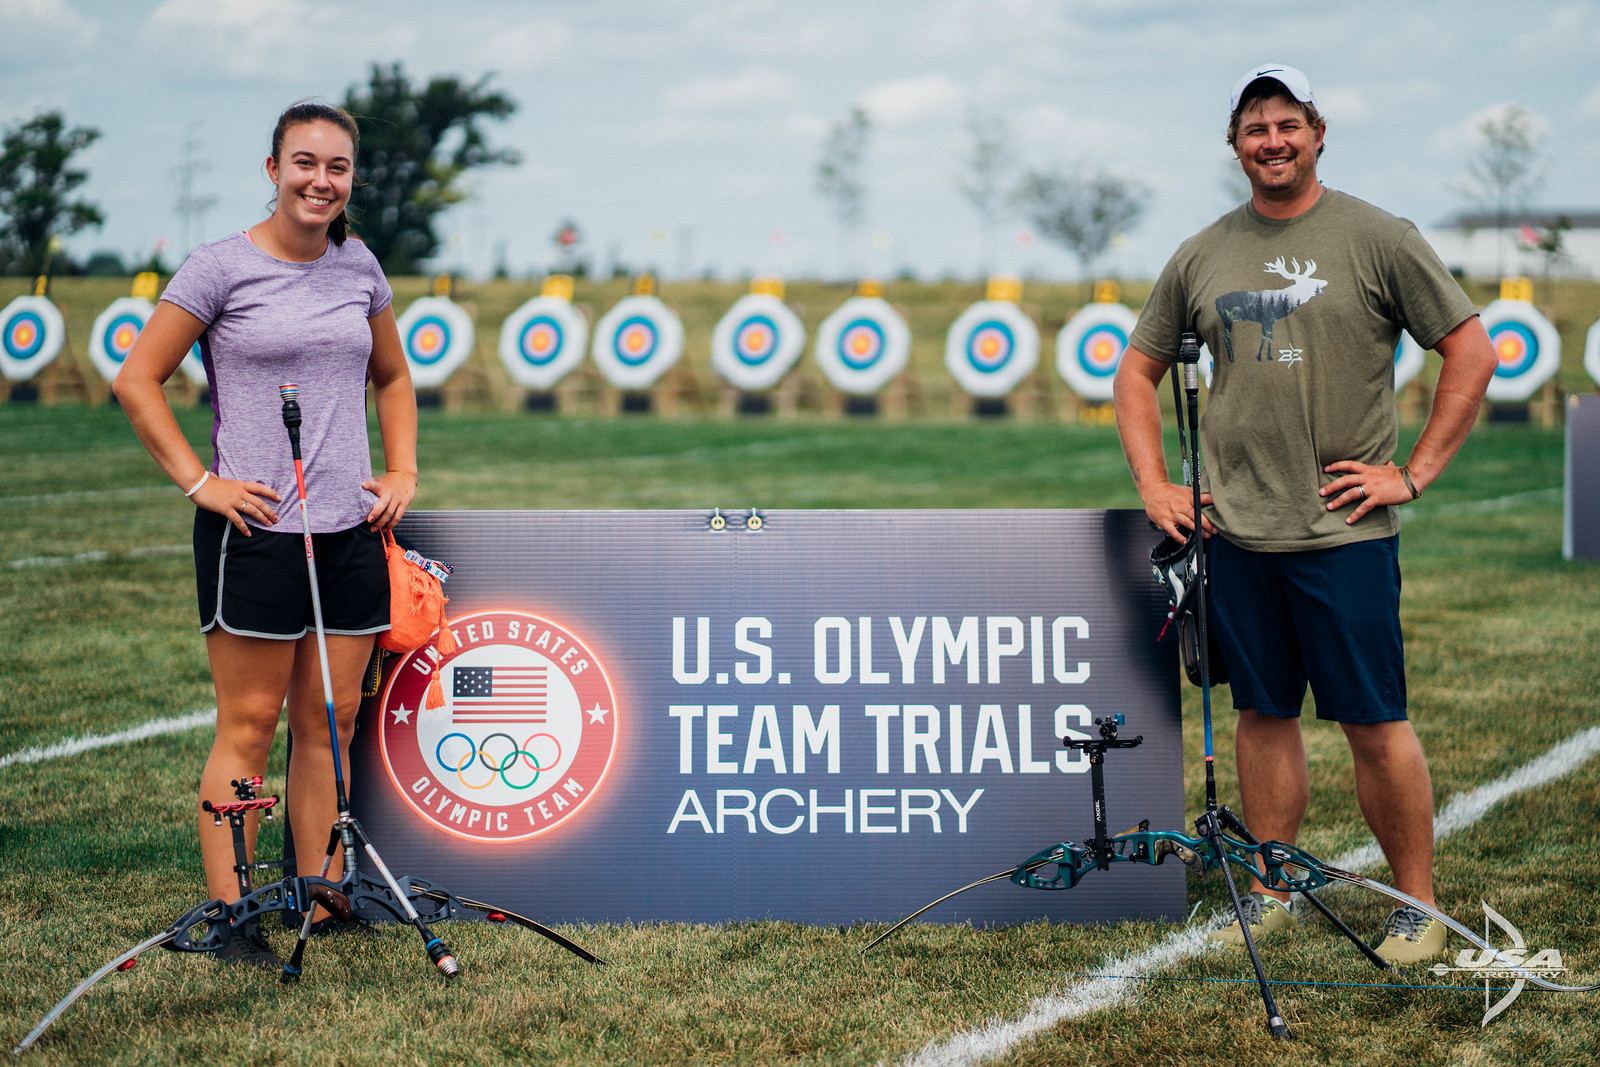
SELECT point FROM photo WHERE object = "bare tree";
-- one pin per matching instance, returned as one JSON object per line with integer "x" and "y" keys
{"x": 983, "y": 183}
{"x": 839, "y": 177}
{"x": 1082, "y": 211}
{"x": 1505, "y": 171}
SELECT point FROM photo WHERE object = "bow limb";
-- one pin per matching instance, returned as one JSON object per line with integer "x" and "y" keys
{"x": 1007, "y": 873}
{"x": 521, "y": 920}
{"x": 83, "y": 986}
{"x": 1474, "y": 939}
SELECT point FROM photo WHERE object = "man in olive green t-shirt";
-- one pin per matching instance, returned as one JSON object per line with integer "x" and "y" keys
{"x": 1300, "y": 295}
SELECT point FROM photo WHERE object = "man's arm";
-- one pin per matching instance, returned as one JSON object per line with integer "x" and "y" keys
{"x": 1469, "y": 363}
{"x": 1138, "y": 409}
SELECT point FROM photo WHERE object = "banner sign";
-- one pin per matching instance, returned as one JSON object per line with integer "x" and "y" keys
{"x": 1090, "y": 346}
{"x": 1580, "y": 511}
{"x": 1527, "y": 346}
{"x": 31, "y": 334}
{"x": 438, "y": 336}
{"x": 819, "y": 716}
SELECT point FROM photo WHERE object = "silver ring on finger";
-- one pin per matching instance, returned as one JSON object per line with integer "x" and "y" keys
{"x": 1362, "y": 490}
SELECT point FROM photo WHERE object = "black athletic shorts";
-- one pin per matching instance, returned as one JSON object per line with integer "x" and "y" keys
{"x": 256, "y": 586}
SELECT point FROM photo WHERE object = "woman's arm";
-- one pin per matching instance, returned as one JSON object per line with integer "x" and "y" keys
{"x": 396, "y": 487}
{"x": 163, "y": 342}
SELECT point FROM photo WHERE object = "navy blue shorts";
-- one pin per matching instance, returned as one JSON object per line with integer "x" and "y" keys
{"x": 256, "y": 586}
{"x": 1329, "y": 616}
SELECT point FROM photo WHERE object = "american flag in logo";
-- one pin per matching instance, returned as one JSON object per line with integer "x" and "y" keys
{"x": 498, "y": 694}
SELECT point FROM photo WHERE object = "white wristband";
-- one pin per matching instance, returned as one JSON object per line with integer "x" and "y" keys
{"x": 190, "y": 494}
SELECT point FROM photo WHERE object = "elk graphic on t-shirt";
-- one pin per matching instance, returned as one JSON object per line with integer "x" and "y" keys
{"x": 1267, "y": 306}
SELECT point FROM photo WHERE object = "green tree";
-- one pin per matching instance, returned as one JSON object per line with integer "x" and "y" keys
{"x": 415, "y": 146}
{"x": 1084, "y": 212}
{"x": 35, "y": 186}
{"x": 1506, "y": 169}
{"x": 839, "y": 178}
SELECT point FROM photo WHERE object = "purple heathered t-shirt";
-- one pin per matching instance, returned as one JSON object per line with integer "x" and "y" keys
{"x": 273, "y": 323}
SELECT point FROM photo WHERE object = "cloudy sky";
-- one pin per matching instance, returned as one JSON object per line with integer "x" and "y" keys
{"x": 685, "y": 133}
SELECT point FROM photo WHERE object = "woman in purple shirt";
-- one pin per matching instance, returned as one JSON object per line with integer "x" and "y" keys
{"x": 291, "y": 300}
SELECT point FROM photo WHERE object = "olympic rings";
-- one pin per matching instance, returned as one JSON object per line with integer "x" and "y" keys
{"x": 496, "y": 768}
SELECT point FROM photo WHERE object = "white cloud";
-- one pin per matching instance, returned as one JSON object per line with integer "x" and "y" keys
{"x": 909, "y": 101}
{"x": 1467, "y": 135}
{"x": 244, "y": 38}
{"x": 1343, "y": 104}
{"x": 1568, "y": 34}
{"x": 520, "y": 48}
{"x": 42, "y": 32}
{"x": 754, "y": 88}
{"x": 1590, "y": 107}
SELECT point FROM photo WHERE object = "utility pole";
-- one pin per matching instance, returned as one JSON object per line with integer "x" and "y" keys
{"x": 191, "y": 208}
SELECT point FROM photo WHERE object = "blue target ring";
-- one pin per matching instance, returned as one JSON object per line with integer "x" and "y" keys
{"x": 755, "y": 340}
{"x": 24, "y": 335}
{"x": 428, "y": 340}
{"x": 861, "y": 344}
{"x": 1101, "y": 350}
{"x": 540, "y": 340}
{"x": 635, "y": 341}
{"x": 121, "y": 333}
{"x": 990, "y": 345}
{"x": 1516, "y": 348}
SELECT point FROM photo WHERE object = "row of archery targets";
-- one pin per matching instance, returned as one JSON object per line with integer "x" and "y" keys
{"x": 859, "y": 348}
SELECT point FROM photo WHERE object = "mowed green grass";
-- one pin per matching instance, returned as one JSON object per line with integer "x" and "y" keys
{"x": 97, "y": 851}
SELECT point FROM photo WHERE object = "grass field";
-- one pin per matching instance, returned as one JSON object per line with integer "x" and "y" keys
{"x": 97, "y": 851}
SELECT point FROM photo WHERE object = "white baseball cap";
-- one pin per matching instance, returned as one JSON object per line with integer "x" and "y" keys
{"x": 1298, "y": 84}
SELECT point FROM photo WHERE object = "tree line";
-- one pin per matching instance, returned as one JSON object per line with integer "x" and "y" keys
{"x": 417, "y": 143}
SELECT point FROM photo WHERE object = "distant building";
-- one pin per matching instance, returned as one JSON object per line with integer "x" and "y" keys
{"x": 1466, "y": 243}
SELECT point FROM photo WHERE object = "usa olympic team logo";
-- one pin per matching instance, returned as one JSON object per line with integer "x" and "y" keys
{"x": 1527, "y": 349}
{"x": 991, "y": 347}
{"x": 31, "y": 335}
{"x": 756, "y": 342}
{"x": 862, "y": 345}
{"x": 438, "y": 336}
{"x": 542, "y": 341}
{"x": 637, "y": 341}
{"x": 524, "y": 740}
{"x": 1089, "y": 348}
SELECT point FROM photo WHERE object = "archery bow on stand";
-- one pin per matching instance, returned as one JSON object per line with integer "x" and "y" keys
{"x": 1221, "y": 840}
{"x": 209, "y": 926}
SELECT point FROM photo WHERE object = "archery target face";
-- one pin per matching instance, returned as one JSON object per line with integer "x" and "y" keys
{"x": 31, "y": 335}
{"x": 1527, "y": 349}
{"x": 636, "y": 341}
{"x": 542, "y": 341}
{"x": 1591, "y": 352}
{"x": 862, "y": 345}
{"x": 756, "y": 342}
{"x": 991, "y": 347}
{"x": 438, "y": 336}
{"x": 1408, "y": 360}
{"x": 114, "y": 332}
{"x": 1090, "y": 346}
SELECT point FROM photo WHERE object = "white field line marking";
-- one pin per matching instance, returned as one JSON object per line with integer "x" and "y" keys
{"x": 1082, "y": 998}
{"x": 1478, "y": 507}
{"x": 98, "y": 555}
{"x": 31, "y": 499}
{"x": 74, "y": 745}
